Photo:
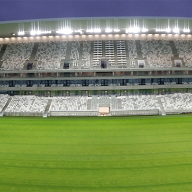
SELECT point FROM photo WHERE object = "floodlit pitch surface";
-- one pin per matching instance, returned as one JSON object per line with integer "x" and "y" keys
{"x": 106, "y": 154}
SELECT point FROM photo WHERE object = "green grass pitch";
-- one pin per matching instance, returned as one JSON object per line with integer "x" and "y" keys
{"x": 96, "y": 154}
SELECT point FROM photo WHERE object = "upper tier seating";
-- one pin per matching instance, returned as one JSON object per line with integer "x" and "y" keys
{"x": 132, "y": 53}
{"x": 69, "y": 104}
{"x": 121, "y": 54}
{"x": 16, "y": 55}
{"x": 3, "y": 101}
{"x": 157, "y": 52}
{"x": 110, "y": 53}
{"x": 49, "y": 54}
{"x": 75, "y": 54}
{"x": 184, "y": 49}
{"x": 27, "y": 104}
{"x": 86, "y": 55}
{"x": 97, "y": 53}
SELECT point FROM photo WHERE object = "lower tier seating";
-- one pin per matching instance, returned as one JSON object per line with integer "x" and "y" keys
{"x": 146, "y": 104}
{"x": 3, "y": 101}
{"x": 27, "y": 104}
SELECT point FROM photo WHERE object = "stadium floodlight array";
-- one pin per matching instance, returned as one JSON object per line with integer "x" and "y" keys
{"x": 79, "y": 31}
{"x": 176, "y": 30}
{"x": 144, "y": 30}
{"x": 108, "y": 30}
{"x": 116, "y": 30}
{"x": 65, "y": 31}
{"x": 21, "y": 33}
{"x": 96, "y": 30}
{"x": 167, "y": 30}
{"x": 186, "y": 30}
{"x": 133, "y": 30}
{"x": 39, "y": 32}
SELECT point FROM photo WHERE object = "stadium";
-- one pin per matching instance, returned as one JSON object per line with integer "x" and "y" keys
{"x": 95, "y": 95}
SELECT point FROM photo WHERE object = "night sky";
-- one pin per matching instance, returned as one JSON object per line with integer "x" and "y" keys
{"x": 12, "y": 10}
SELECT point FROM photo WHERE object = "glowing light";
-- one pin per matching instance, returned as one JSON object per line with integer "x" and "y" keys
{"x": 97, "y": 30}
{"x": 186, "y": 30}
{"x": 89, "y": 30}
{"x": 65, "y": 31}
{"x": 21, "y": 33}
{"x": 176, "y": 30}
{"x": 144, "y": 30}
{"x": 133, "y": 30}
{"x": 108, "y": 30}
{"x": 79, "y": 31}
{"x": 168, "y": 30}
{"x": 116, "y": 30}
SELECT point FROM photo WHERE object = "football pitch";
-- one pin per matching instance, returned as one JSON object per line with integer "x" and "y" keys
{"x": 99, "y": 154}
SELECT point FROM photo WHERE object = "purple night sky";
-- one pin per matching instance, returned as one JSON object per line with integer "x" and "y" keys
{"x": 12, "y": 10}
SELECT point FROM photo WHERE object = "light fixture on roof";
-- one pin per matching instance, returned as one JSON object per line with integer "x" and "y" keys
{"x": 144, "y": 30}
{"x": 116, "y": 30}
{"x": 176, "y": 30}
{"x": 186, "y": 30}
{"x": 108, "y": 30}
{"x": 97, "y": 30}
{"x": 186, "y": 27}
{"x": 168, "y": 30}
{"x": 32, "y": 33}
{"x": 42, "y": 32}
{"x": 158, "y": 30}
{"x": 136, "y": 30}
{"x": 65, "y": 31}
{"x": 89, "y": 30}
{"x": 133, "y": 30}
{"x": 38, "y": 32}
{"x": 79, "y": 31}
{"x": 21, "y": 33}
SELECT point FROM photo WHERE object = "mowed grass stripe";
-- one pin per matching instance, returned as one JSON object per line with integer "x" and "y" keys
{"x": 96, "y": 154}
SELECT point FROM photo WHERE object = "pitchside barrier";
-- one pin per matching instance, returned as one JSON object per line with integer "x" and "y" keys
{"x": 73, "y": 113}
{"x": 135, "y": 112}
{"x": 22, "y": 114}
{"x": 169, "y": 112}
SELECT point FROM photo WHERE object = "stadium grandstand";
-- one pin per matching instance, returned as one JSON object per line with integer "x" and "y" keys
{"x": 95, "y": 95}
{"x": 91, "y": 64}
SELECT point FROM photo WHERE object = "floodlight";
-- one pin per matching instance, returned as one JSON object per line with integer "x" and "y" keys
{"x": 116, "y": 30}
{"x": 108, "y": 30}
{"x": 144, "y": 30}
{"x": 33, "y": 33}
{"x": 21, "y": 33}
{"x": 65, "y": 31}
{"x": 176, "y": 30}
{"x": 168, "y": 30}
{"x": 89, "y": 30}
{"x": 186, "y": 30}
{"x": 78, "y": 31}
{"x": 97, "y": 30}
